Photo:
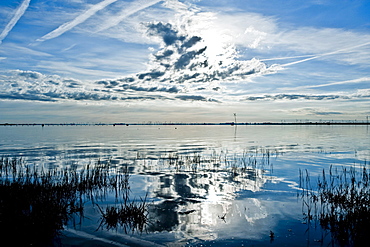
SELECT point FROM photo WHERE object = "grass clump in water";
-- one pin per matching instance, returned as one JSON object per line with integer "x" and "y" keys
{"x": 130, "y": 216}
{"x": 36, "y": 204}
{"x": 341, "y": 203}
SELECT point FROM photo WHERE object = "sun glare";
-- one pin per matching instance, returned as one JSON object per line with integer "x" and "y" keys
{"x": 218, "y": 45}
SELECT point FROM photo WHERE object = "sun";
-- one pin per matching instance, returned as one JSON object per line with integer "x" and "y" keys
{"x": 219, "y": 46}
{"x": 218, "y": 40}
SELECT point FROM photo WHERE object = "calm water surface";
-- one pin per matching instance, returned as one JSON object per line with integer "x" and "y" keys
{"x": 228, "y": 186}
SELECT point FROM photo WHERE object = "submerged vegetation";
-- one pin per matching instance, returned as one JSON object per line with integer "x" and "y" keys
{"x": 36, "y": 204}
{"x": 340, "y": 203}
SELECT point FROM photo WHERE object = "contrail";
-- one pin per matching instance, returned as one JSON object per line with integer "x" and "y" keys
{"x": 325, "y": 54}
{"x": 78, "y": 20}
{"x": 135, "y": 7}
{"x": 283, "y": 58}
{"x": 18, "y": 14}
{"x": 354, "y": 81}
{"x": 359, "y": 80}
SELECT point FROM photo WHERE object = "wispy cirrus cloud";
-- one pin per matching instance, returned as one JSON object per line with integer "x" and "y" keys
{"x": 343, "y": 50}
{"x": 78, "y": 20}
{"x": 329, "y": 44}
{"x": 133, "y": 8}
{"x": 354, "y": 81}
{"x": 17, "y": 15}
{"x": 12, "y": 48}
{"x": 109, "y": 21}
{"x": 197, "y": 58}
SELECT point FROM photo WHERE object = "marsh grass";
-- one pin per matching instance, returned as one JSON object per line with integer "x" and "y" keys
{"x": 339, "y": 202}
{"x": 234, "y": 164}
{"x": 36, "y": 204}
{"x": 129, "y": 216}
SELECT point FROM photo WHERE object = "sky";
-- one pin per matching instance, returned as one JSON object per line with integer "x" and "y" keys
{"x": 122, "y": 61}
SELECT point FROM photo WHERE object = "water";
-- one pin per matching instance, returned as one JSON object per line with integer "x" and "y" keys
{"x": 228, "y": 186}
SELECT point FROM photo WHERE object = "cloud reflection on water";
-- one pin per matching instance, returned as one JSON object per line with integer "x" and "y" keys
{"x": 205, "y": 203}
{"x": 198, "y": 189}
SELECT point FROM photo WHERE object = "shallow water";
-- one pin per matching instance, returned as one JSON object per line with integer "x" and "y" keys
{"x": 207, "y": 185}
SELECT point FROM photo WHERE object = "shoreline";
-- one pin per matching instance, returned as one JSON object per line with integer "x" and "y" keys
{"x": 164, "y": 124}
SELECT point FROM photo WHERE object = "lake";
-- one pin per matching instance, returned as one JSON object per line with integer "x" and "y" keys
{"x": 203, "y": 185}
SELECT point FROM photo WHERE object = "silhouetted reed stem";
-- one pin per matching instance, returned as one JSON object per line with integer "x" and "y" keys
{"x": 343, "y": 202}
{"x": 35, "y": 204}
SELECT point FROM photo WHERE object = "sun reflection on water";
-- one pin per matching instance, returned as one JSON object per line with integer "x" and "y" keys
{"x": 197, "y": 191}
{"x": 200, "y": 202}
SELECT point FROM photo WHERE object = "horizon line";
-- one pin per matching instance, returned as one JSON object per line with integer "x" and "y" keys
{"x": 322, "y": 122}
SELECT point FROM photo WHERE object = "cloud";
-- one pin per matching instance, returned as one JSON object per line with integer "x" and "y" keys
{"x": 118, "y": 86}
{"x": 343, "y": 50}
{"x": 78, "y": 20}
{"x": 354, "y": 81}
{"x": 197, "y": 58}
{"x": 75, "y": 69}
{"x": 330, "y": 44}
{"x": 183, "y": 59}
{"x": 315, "y": 111}
{"x": 272, "y": 40}
{"x": 30, "y": 74}
{"x": 35, "y": 86}
{"x": 295, "y": 97}
{"x": 11, "y": 49}
{"x": 133, "y": 8}
{"x": 17, "y": 15}
{"x": 360, "y": 94}
{"x": 184, "y": 64}
{"x": 18, "y": 96}
{"x": 195, "y": 98}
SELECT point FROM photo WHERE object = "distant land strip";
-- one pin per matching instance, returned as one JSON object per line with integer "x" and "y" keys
{"x": 226, "y": 123}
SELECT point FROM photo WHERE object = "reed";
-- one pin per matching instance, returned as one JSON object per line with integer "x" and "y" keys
{"x": 234, "y": 164}
{"x": 340, "y": 203}
{"x": 36, "y": 204}
{"x": 130, "y": 216}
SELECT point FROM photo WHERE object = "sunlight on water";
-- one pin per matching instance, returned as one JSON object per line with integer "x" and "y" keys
{"x": 210, "y": 185}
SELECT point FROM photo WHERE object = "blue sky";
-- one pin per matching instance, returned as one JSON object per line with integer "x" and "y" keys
{"x": 183, "y": 61}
